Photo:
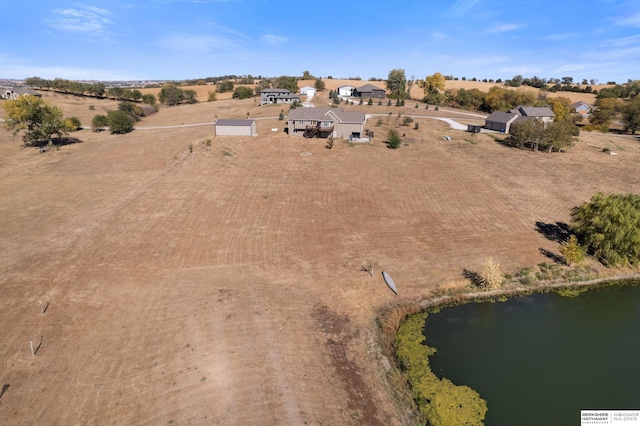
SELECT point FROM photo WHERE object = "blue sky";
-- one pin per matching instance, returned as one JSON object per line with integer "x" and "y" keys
{"x": 183, "y": 39}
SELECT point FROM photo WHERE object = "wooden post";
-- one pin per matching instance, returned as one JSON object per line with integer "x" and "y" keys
{"x": 31, "y": 346}
{"x": 41, "y": 310}
{"x": 4, "y": 389}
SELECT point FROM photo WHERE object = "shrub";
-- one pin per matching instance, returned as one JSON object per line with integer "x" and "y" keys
{"x": 407, "y": 121}
{"x": 74, "y": 124}
{"x": 99, "y": 122}
{"x": 148, "y": 110}
{"x": 212, "y": 96}
{"x": 393, "y": 139}
{"x": 491, "y": 276}
{"x": 119, "y": 122}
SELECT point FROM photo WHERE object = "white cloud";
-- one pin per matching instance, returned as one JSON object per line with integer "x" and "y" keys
{"x": 559, "y": 36}
{"x": 198, "y": 43}
{"x": 503, "y": 28}
{"x": 622, "y": 41}
{"x": 273, "y": 40}
{"x": 571, "y": 67}
{"x": 439, "y": 36}
{"x": 84, "y": 19}
{"x": 521, "y": 69}
{"x": 629, "y": 21}
{"x": 461, "y": 7}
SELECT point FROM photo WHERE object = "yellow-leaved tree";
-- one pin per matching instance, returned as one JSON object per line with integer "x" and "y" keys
{"x": 36, "y": 118}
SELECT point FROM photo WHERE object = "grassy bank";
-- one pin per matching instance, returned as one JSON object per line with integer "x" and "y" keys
{"x": 438, "y": 401}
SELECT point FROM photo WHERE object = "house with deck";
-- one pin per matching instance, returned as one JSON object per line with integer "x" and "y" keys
{"x": 326, "y": 122}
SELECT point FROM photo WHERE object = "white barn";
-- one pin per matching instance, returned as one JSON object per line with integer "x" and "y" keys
{"x": 228, "y": 127}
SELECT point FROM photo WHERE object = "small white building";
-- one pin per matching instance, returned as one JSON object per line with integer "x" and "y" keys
{"x": 228, "y": 127}
{"x": 346, "y": 91}
{"x": 308, "y": 91}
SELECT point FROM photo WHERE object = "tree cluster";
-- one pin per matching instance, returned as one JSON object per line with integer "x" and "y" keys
{"x": 242, "y": 92}
{"x": 609, "y": 227}
{"x": 225, "y": 86}
{"x": 95, "y": 90}
{"x": 121, "y": 120}
{"x": 534, "y": 134}
{"x": 171, "y": 94}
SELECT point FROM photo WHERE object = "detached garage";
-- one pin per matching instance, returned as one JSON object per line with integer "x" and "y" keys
{"x": 236, "y": 128}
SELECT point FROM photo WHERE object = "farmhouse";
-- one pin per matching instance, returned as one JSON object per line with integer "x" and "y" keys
{"x": 16, "y": 92}
{"x": 308, "y": 91}
{"x": 500, "y": 121}
{"x": 369, "y": 91}
{"x": 325, "y": 122}
{"x": 235, "y": 127}
{"x": 277, "y": 96}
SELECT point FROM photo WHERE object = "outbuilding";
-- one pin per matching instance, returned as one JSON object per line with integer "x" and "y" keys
{"x": 308, "y": 91}
{"x": 229, "y": 127}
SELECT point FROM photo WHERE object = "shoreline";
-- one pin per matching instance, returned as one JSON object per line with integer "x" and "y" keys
{"x": 390, "y": 318}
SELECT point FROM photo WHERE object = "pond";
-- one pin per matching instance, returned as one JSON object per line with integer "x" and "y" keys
{"x": 539, "y": 360}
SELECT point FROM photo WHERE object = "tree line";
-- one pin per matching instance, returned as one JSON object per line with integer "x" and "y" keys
{"x": 95, "y": 90}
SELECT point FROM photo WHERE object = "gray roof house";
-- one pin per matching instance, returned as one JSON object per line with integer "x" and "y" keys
{"x": 229, "y": 127}
{"x": 277, "y": 96}
{"x": 369, "y": 91}
{"x": 15, "y": 92}
{"x": 325, "y": 122}
{"x": 581, "y": 108}
{"x": 543, "y": 113}
{"x": 501, "y": 121}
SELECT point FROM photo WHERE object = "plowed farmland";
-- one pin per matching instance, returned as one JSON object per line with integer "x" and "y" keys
{"x": 190, "y": 282}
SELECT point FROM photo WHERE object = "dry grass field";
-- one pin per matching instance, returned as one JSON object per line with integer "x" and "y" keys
{"x": 223, "y": 284}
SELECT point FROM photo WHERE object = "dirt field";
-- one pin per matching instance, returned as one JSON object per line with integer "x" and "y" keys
{"x": 225, "y": 285}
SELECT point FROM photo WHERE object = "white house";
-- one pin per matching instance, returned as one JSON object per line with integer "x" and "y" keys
{"x": 309, "y": 91}
{"x": 344, "y": 91}
{"x": 226, "y": 127}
